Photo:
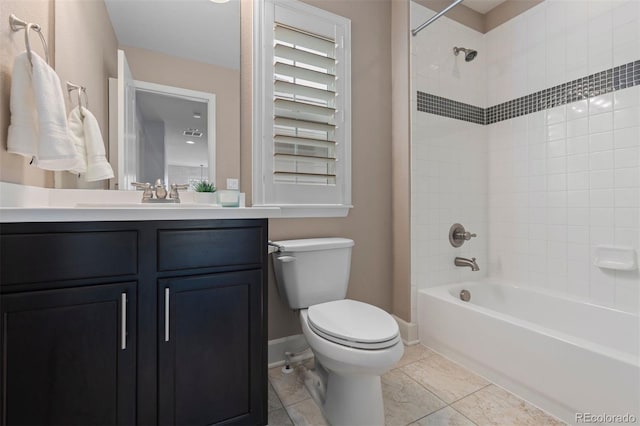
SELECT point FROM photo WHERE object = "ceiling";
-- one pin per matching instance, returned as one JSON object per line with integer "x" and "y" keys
{"x": 198, "y": 30}
{"x": 482, "y": 6}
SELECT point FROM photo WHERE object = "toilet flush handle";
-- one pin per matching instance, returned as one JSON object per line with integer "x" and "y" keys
{"x": 285, "y": 259}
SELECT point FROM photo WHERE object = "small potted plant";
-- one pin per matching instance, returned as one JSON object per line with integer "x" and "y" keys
{"x": 205, "y": 192}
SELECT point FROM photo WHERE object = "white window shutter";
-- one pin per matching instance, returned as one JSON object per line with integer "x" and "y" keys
{"x": 304, "y": 145}
{"x": 304, "y": 124}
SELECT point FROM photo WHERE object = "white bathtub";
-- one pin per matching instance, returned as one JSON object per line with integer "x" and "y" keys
{"x": 563, "y": 355}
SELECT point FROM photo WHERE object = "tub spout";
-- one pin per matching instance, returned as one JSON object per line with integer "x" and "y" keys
{"x": 463, "y": 261}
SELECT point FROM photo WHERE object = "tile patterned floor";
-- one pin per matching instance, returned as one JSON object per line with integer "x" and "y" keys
{"x": 424, "y": 388}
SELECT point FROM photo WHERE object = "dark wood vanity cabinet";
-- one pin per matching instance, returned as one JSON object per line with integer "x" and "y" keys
{"x": 68, "y": 356}
{"x": 207, "y": 345}
{"x": 158, "y": 322}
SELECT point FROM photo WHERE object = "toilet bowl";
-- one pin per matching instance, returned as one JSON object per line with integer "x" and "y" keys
{"x": 352, "y": 337}
{"x": 354, "y": 343}
{"x": 352, "y": 388}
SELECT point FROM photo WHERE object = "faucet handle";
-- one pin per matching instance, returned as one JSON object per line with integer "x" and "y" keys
{"x": 146, "y": 187}
{"x": 458, "y": 235}
{"x": 173, "y": 193}
{"x": 140, "y": 185}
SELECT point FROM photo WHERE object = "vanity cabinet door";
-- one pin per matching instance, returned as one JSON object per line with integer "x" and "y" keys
{"x": 69, "y": 356}
{"x": 211, "y": 350}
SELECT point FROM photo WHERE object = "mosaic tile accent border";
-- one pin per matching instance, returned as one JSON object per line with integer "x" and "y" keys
{"x": 450, "y": 108}
{"x": 617, "y": 78}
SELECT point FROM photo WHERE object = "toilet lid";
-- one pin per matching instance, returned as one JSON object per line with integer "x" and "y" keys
{"x": 354, "y": 324}
{"x": 314, "y": 244}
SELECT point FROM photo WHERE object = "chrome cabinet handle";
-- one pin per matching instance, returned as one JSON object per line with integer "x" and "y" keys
{"x": 123, "y": 321}
{"x": 166, "y": 314}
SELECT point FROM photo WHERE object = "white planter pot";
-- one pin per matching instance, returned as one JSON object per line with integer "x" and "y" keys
{"x": 205, "y": 197}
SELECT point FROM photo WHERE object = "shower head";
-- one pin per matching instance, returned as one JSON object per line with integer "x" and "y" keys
{"x": 469, "y": 54}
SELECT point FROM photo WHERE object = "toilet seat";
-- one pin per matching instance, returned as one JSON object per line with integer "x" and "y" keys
{"x": 353, "y": 324}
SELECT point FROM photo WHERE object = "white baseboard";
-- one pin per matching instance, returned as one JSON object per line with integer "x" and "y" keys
{"x": 277, "y": 348}
{"x": 408, "y": 331}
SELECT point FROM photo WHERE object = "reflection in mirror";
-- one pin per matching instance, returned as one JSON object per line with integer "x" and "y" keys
{"x": 172, "y": 135}
{"x": 168, "y": 119}
{"x": 186, "y": 44}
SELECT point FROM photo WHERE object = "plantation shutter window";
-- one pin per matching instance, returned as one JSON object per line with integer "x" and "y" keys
{"x": 304, "y": 141}
{"x": 304, "y": 107}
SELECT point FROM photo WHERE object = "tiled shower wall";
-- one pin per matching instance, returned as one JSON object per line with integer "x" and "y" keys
{"x": 564, "y": 180}
{"x": 557, "y": 182}
{"x": 558, "y": 41}
{"x": 449, "y": 157}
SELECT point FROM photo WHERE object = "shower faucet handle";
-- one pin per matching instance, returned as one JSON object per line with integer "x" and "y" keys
{"x": 467, "y": 235}
{"x": 458, "y": 235}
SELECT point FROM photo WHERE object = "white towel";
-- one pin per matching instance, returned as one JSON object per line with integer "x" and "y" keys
{"x": 87, "y": 139}
{"x": 38, "y": 121}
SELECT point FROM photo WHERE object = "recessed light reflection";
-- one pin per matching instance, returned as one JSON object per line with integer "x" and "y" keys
{"x": 600, "y": 102}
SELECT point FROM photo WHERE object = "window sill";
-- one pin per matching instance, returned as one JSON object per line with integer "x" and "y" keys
{"x": 310, "y": 210}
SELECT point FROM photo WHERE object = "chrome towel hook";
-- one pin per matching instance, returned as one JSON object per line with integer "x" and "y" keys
{"x": 18, "y": 24}
{"x": 81, "y": 91}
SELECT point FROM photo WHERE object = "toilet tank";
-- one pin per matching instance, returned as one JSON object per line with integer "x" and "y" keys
{"x": 312, "y": 271}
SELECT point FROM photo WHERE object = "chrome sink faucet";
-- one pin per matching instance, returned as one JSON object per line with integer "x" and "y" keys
{"x": 463, "y": 261}
{"x": 162, "y": 196}
{"x": 161, "y": 191}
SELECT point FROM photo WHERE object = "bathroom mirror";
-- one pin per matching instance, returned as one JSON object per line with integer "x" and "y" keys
{"x": 159, "y": 132}
{"x": 188, "y": 46}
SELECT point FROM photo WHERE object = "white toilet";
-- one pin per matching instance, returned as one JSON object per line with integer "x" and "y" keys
{"x": 354, "y": 343}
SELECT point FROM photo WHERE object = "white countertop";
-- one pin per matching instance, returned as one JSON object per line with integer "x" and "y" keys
{"x": 21, "y": 203}
{"x": 80, "y": 214}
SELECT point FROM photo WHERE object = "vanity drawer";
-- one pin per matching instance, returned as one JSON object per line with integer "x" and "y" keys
{"x": 209, "y": 247}
{"x": 45, "y": 257}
